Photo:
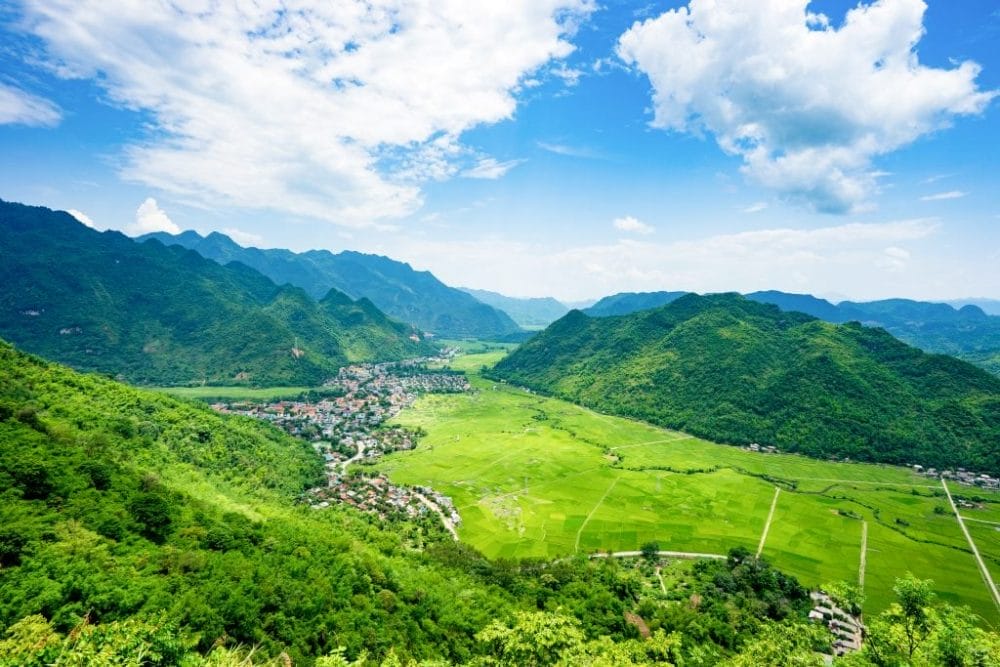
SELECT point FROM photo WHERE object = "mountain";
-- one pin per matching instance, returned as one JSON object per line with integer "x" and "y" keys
{"x": 624, "y": 303}
{"x": 966, "y": 332}
{"x": 531, "y": 313}
{"x": 165, "y": 315}
{"x": 988, "y": 306}
{"x": 736, "y": 371}
{"x": 415, "y": 297}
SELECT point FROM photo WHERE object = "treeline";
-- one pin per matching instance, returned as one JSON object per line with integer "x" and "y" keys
{"x": 735, "y": 371}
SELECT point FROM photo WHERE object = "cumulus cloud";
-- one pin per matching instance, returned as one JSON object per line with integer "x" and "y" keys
{"x": 632, "y": 225}
{"x": 941, "y": 196}
{"x": 806, "y": 106}
{"x": 149, "y": 217}
{"x": 82, "y": 218}
{"x": 18, "y": 107}
{"x": 330, "y": 110}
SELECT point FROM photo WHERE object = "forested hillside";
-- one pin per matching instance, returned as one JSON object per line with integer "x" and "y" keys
{"x": 630, "y": 302}
{"x": 164, "y": 315}
{"x": 414, "y": 297}
{"x": 527, "y": 312}
{"x": 733, "y": 370}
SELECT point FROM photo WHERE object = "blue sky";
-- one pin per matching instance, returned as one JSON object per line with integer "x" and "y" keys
{"x": 556, "y": 147}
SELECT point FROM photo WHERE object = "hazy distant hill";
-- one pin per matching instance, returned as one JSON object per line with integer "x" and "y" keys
{"x": 734, "y": 370}
{"x": 414, "y": 297}
{"x": 624, "y": 303}
{"x": 156, "y": 314}
{"x": 527, "y": 312}
{"x": 988, "y": 306}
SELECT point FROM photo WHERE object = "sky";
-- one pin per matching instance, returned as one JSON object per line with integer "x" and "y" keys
{"x": 564, "y": 148}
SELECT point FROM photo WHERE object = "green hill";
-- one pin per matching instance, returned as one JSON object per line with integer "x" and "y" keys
{"x": 624, "y": 303}
{"x": 736, "y": 371}
{"x": 164, "y": 315}
{"x": 415, "y": 297}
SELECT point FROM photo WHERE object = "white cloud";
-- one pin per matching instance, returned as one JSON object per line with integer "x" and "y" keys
{"x": 632, "y": 225}
{"x": 488, "y": 168}
{"x": 149, "y": 217}
{"x": 245, "y": 239}
{"x": 941, "y": 196}
{"x": 18, "y": 107}
{"x": 807, "y": 106}
{"x": 82, "y": 217}
{"x": 329, "y": 110}
{"x": 756, "y": 207}
{"x": 860, "y": 260}
{"x": 568, "y": 151}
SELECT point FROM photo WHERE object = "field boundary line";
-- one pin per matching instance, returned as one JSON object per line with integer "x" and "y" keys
{"x": 576, "y": 546}
{"x": 975, "y": 552}
{"x": 653, "y": 442}
{"x": 667, "y": 554}
{"x": 993, "y": 523}
{"x": 767, "y": 524}
{"x": 857, "y": 481}
{"x": 864, "y": 555}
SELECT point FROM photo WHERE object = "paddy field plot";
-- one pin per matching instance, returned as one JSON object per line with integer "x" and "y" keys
{"x": 533, "y": 476}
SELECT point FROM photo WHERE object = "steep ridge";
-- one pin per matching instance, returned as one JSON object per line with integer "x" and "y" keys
{"x": 165, "y": 315}
{"x": 414, "y": 297}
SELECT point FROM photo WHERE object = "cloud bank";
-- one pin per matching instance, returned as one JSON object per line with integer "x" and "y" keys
{"x": 333, "y": 110}
{"x": 806, "y": 106}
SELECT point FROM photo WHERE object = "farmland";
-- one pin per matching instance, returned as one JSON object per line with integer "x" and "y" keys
{"x": 534, "y": 476}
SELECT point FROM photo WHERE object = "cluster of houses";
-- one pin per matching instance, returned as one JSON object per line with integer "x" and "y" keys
{"x": 763, "y": 449}
{"x": 350, "y": 428}
{"x": 845, "y": 627}
{"x": 962, "y": 476}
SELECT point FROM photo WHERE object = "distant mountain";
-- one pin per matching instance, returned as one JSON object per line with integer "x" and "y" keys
{"x": 165, "y": 315}
{"x": 624, "y": 303}
{"x": 413, "y": 297}
{"x": 530, "y": 313}
{"x": 988, "y": 306}
{"x": 967, "y": 332}
{"x": 737, "y": 371}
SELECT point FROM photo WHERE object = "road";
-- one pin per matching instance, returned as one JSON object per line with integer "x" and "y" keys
{"x": 433, "y": 506}
{"x": 668, "y": 554}
{"x": 767, "y": 526}
{"x": 356, "y": 457}
{"x": 975, "y": 552}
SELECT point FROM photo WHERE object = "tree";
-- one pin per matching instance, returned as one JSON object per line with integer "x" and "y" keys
{"x": 651, "y": 551}
{"x": 535, "y": 639}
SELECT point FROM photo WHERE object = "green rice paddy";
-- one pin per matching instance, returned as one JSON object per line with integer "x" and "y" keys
{"x": 539, "y": 477}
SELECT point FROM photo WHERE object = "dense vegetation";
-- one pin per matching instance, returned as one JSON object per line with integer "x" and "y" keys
{"x": 527, "y": 312}
{"x": 624, "y": 303}
{"x": 164, "y": 315}
{"x": 415, "y": 297}
{"x": 736, "y": 371}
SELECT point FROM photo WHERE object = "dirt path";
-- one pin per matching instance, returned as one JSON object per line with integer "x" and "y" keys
{"x": 975, "y": 552}
{"x": 864, "y": 555}
{"x": 992, "y": 523}
{"x": 433, "y": 506}
{"x": 576, "y": 546}
{"x": 767, "y": 526}
{"x": 659, "y": 577}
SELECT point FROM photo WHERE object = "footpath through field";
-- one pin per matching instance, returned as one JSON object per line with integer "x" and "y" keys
{"x": 975, "y": 552}
{"x": 767, "y": 524}
{"x": 864, "y": 555}
{"x": 668, "y": 554}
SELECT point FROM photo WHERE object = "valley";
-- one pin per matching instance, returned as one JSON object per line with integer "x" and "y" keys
{"x": 538, "y": 477}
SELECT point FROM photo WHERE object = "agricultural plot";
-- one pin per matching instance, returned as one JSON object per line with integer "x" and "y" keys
{"x": 533, "y": 476}
{"x": 237, "y": 393}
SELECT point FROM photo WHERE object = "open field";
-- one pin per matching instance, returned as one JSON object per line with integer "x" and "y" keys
{"x": 538, "y": 477}
{"x": 236, "y": 393}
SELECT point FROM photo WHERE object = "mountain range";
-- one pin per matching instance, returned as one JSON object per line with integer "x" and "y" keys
{"x": 154, "y": 314}
{"x": 962, "y": 330}
{"x": 733, "y": 370}
{"x": 529, "y": 313}
{"x": 415, "y": 297}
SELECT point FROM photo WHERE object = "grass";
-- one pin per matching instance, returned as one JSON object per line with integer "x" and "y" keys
{"x": 534, "y": 476}
{"x": 237, "y": 393}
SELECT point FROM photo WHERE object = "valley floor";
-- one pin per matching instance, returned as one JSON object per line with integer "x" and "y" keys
{"x": 539, "y": 477}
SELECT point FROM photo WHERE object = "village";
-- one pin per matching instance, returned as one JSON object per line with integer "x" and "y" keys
{"x": 348, "y": 426}
{"x": 961, "y": 476}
